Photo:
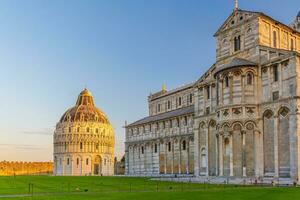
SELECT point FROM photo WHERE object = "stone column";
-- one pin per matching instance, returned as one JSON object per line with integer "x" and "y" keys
{"x": 270, "y": 84}
{"x": 211, "y": 96}
{"x": 256, "y": 152}
{"x": 261, "y": 149}
{"x": 276, "y": 163}
{"x": 188, "y": 156}
{"x": 126, "y": 159}
{"x": 165, "y": 148}
{"x": 243, "y": 86}
{"x": 280, "y": 79}
{"x": 293, "y": 145}
{"x": 172, "y": 151}
{"x": 230, "y": 76}
{"x": 217, "y": 154}
{"x": 221, "y": 171}
{"x": 196, "y": 151}
{"x": 207, "y": 152}
{"x": 179, "y": 162}
{"x": 231, "y": 154}
{"x": 221, "y": 91}
{"x": 244, "y": 153}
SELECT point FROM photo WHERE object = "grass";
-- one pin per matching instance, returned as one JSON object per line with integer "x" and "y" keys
{"x": 73, "y": 188}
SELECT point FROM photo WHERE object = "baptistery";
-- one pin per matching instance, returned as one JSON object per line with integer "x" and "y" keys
{"x": 84, "y": 140}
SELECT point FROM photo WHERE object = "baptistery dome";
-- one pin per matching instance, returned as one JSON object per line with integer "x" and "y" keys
{"x": 84, "y": 140}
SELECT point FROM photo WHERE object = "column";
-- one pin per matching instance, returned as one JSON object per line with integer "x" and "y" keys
{"x": 261, "y": 149}
{"x": 165, "y": 147}
{"x": 276, "y": 175}
{"x": 230, "y": 76}
{"x": 270, "y": 83}
{"x": 207, "y": 151}
{"x": 188, "y": 157}
{"x": 196, "y": 152}
{"x": 231, "y": 154}
{"x": 257, "y": 152}
{"x": 221, "y": 92}
{"x": 126, "y": 159}
{"x": 293, "y": 145}
{"x": 179, "y": 162}
{"x": 280, "y": 79}
{"x": 221, "y": 155}
{"x": 172, "y": 151}
{"x": 244, "y": 153}
{"x": 243, "y": 86}
{"x": 217, "y": 155}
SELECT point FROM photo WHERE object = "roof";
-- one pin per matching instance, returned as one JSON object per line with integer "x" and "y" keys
{"x": 236, "y": 62}
{"x": 85, "y": 110}
{"x": 256, "y": 13}
{"x": 170, "y": 114}
{"x": 229, "y": 17}
{"x": 180, "y": 88}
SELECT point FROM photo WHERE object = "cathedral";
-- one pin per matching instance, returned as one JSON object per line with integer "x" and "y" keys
{"x": 239, "y": 119}
{"x": 84, "y": 140}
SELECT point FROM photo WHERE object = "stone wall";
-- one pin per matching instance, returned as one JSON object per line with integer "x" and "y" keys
{"x": 25, "y": 168}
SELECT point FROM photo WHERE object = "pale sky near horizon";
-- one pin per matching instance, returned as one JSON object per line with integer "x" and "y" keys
{"x": 121, "y": 50}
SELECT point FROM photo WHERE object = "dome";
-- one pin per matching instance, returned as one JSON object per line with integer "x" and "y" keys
{"x": 85, "y": 110}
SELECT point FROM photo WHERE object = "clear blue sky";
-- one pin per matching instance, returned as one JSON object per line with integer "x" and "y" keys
{"x": 121, "y": 49}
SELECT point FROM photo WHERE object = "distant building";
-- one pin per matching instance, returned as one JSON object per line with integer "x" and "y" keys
{"x": 120, "y": 166}
{"x": 84, "y": 140}
{"x": 240, "y": 119}
{"x": 25, "y": 168}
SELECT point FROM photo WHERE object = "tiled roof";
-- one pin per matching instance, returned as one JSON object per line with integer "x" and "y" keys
{"x": 236, "y": 62}
{"x": 180, "y": 88}
{"x": 166, "y": 115}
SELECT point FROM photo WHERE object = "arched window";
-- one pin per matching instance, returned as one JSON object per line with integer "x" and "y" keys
{"x": 81, "y": 145}
{"x": 274, "y": 39}
{"x": 70, "y": 129}
{"x": 237, "y": 43}
{"x": 203, "y": 157}
{"x": 184, "y": 145}
{"x": 68, "y": 161}
{"x": 77, "y": 161}
{"x": 155, "y": 148}
{"x": 249, "y": 79}
{"x": 169, "y": 146}
{"x": 179, "y": 101}
{"x": 142, "y": 150}
{"x": 87, "y": 161}
{"x": 208, "y": 92}
{"x": 275, "y": 73}
{"x": 185, "y": 120}
{"x": 226, "y": 81}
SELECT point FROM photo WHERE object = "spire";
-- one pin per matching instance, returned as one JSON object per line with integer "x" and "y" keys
{"x": 236, "y": 4}
{"x": 164, "y": 88}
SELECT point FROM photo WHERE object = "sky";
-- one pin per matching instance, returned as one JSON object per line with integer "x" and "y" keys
{"x": 119, "y": 49}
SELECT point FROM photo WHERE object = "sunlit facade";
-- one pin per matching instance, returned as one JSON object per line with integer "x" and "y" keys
{"x": 84, "y": 140}
{"x": 240, "y": 119}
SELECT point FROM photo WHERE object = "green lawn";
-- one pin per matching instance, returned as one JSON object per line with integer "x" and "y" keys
{"x": 65, "y": 188}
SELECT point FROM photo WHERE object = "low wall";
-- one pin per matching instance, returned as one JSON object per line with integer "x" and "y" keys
{"x": 25, "y": 168}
